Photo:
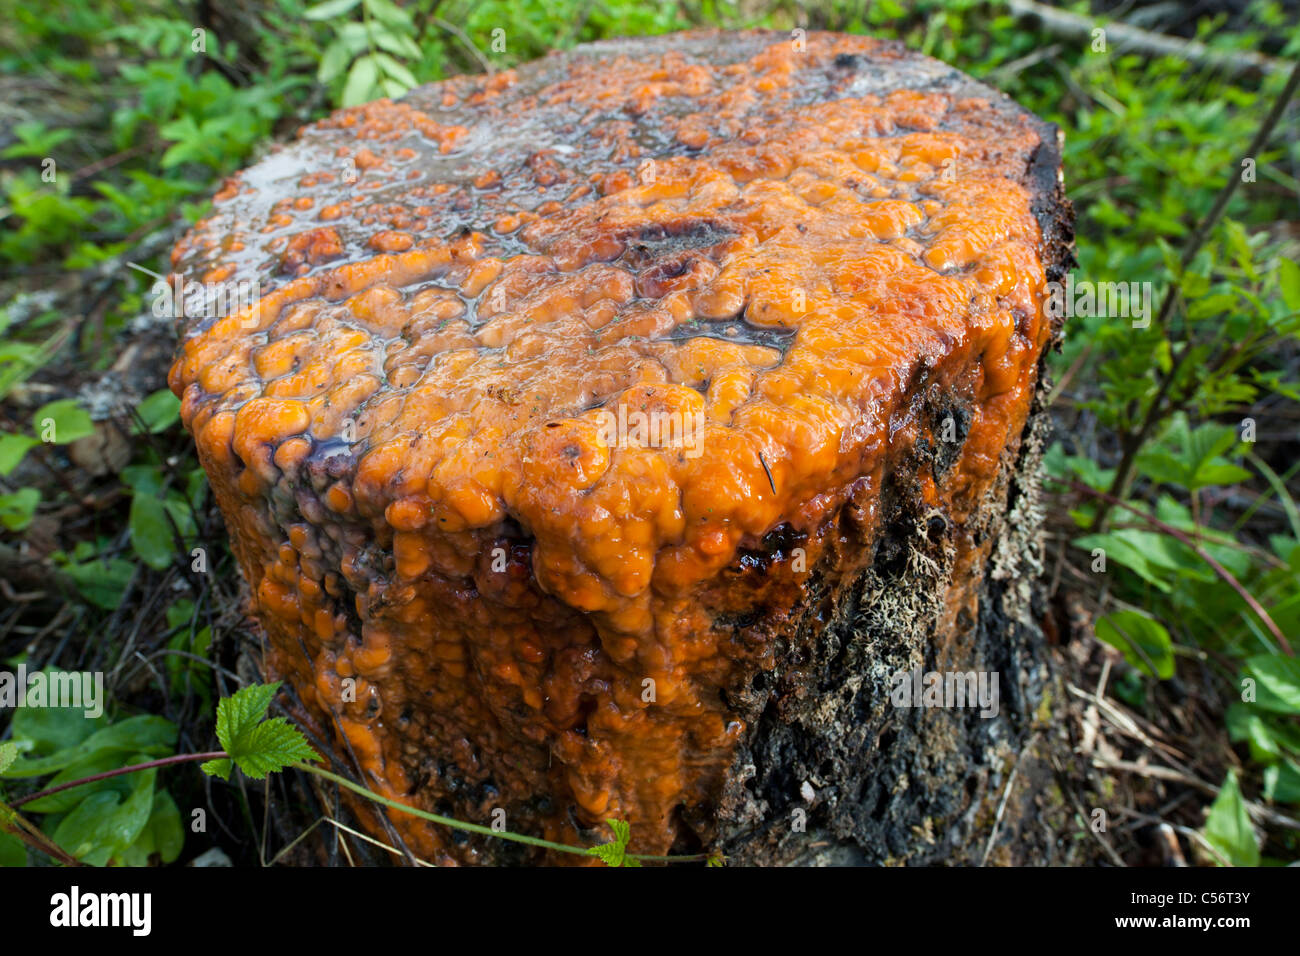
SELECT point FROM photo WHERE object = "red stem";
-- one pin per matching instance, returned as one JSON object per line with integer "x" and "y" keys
{"x": 163, "y": 762}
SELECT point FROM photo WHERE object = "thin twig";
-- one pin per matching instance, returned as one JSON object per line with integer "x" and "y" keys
{"x": 1204, "y": 555}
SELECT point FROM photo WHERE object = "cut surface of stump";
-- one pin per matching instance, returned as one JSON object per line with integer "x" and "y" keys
{"x": 608, "y": 434}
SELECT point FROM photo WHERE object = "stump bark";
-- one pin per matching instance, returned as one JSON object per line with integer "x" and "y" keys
{"x": 820, "y": 263}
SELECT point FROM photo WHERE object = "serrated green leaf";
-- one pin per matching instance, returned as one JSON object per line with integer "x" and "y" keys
{"x": 257, "y": 747}
{"x": 272, "y": 746}
{"x": 615, "y": 854}
{"x": 220, "y": 767}
{"x": 239, "y": 713}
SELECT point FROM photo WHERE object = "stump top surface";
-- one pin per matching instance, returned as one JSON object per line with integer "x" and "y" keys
{"x": 649, "y": 298}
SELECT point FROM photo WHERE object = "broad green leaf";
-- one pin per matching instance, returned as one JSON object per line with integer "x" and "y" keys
{"x": 88, "y": 765}
{"x": 164, "y": 834}
{"x": 13, "y": 852}
{"x": 1244, "y": 724}
{"x": 146, "y": 734}
{"x": 79, "y": 831}
{"x": 13, "y": 448}
{"x": 45, "y": 730}
{"x": 160, "y": 411}
{"x": 1282, "y": 782}
{"x": 63, "y": 422}
{"x": 151, "y": 532}
{"x": 1277, "y": 680}
{"x": 334, "y": 62}
{"x": 102, "y": 583}
{"x": 18, "y": 507}
{"x": 1228, "y": 829}
{"x": 361, "y": 81}
{"x": 329, "y": 9}
{"x": 1288, "y": 275}
{"x": 1144, "y": 642}
{"x": 8, "y": 754}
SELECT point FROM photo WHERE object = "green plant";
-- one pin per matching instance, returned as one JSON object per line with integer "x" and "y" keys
{"x": 89, "y": 826}
{"x": 89, "y": 809}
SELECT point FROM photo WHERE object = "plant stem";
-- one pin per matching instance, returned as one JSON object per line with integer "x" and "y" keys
{"x": 1204, "y": 555}
{"x": 1119, "y": 487}
{"x": 34, "y": 838}
{"x": 163, "y": 762}
{"x": 475, "y": 827}
{"x": 349, "y": 785}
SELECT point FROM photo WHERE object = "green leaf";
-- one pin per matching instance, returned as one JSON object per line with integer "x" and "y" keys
{"x": 361, "y": 81}
{"x": 257, "y": 747}
{"x": 334, "y": 62}
{"x": 87, "y": 765}
{"x": 8, "y": 754}
{"x": 395, "y": 70}
{"x": 146, "y": 734}
{"x": 220, "y": 767}
{"x": 17, "y": 508}
{"x": 1246, "y": 725}
{"x": 615, "y": 854}
{"x": 330, "y": 9}
{"x": 272, "y": 745}
{"x": 13, "y": 852}
{"x": 1288, "y": 275}
{"x": 164, "y": 834}
{"x": 1282, "y": 782}
{"x": 151, "y": 532}
{"x": 13, "y": 448}
{"x": 1228, "y": 829}
{"x": 159, "y": 411}
{"x": 45, "y": 730}
{"x": 63, "y": 421}
{"x": 1144, "y": 642}
{"x": 78, "y": 832}
{"x": 1277, "y": 682}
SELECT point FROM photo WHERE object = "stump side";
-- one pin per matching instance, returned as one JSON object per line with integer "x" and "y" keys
{"x": 491, "y": 606}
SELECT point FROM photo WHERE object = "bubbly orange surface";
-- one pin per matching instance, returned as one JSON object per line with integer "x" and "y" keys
{"x": 424, "y": 436}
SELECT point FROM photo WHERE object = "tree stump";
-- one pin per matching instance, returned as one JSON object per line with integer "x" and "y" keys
{"x": 650, "y": 433}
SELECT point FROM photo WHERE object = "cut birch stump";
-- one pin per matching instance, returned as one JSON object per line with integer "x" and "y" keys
{"x": 651, "y": 432}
